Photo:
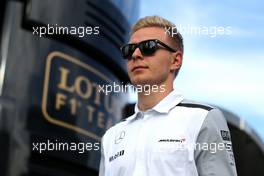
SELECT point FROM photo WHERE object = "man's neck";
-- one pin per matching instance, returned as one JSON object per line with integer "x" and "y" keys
{"x": 146, "y": 102}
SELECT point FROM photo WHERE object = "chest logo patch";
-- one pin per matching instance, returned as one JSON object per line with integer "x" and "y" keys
{"x": 119, "y": 137}
{"x": 173, "y": 140}
{"x": 118, "y": 154}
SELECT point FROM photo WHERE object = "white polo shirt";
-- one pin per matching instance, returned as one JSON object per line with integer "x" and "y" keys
{"x": 161, "y": 142}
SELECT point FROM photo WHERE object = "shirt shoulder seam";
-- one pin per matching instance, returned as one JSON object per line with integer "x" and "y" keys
{"x": 194, "y": 105}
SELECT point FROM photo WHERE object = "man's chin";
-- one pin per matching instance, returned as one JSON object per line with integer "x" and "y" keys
{"x": 139, "y": 82}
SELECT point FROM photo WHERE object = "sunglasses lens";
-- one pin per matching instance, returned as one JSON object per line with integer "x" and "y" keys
{"x": 148, "y": 47}
{"x": 127, "y": 50}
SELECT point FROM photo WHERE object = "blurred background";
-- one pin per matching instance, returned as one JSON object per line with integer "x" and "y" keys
{"x": 49, "y": 79}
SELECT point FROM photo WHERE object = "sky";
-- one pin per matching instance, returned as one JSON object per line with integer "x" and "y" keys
{"x": 224, "y": 68}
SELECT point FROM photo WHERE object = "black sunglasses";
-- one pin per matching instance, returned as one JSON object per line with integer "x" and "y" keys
{"x": 146, "y": 47}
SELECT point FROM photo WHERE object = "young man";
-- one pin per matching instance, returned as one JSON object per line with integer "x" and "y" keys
{"x": 167, "y": 135}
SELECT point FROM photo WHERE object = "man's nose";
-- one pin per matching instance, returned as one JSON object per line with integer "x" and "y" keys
{"x": 137, "y": 54}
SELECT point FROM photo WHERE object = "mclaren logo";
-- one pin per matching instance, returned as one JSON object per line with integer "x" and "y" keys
{"x": 173, "y": 140}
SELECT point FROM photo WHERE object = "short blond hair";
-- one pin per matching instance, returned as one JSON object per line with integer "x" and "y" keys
{"x": 157, "y": 21}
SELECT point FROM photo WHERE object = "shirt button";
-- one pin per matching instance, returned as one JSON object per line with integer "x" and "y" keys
{"x": 140, "y": 115}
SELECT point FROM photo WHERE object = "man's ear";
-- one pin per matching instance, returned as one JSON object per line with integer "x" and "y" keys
{"x": 176, "y": 60}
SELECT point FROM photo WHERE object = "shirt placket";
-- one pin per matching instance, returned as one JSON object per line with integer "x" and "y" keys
{"x": 140, "y": 146}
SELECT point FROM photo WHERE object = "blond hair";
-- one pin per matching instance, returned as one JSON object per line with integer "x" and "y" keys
{"x": 157, "y": 21}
